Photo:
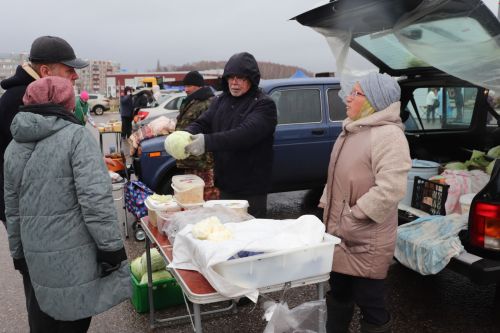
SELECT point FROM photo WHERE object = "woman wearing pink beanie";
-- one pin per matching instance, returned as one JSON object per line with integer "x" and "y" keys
{"x": 82, "y": 108}
{"x": 61, "y": 218}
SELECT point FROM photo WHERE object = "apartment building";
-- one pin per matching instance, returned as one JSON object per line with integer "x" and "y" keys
{"x": 93, "y": 77}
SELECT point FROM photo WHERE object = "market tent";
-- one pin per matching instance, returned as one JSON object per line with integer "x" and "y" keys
{"x": 298, "y": 74}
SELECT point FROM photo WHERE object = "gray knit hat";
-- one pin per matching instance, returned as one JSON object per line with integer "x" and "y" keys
{"x": 381, "y": 90}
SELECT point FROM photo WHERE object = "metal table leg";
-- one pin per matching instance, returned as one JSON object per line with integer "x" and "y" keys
{"x": 197, "y": 318}
{"x": 100, "y": 142}
{"x": 150, "y": 285}
{"x": 321, "y": 290}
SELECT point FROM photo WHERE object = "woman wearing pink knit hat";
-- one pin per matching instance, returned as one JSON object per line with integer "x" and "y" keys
{"x": 61, "y": 220}
{"x": 82, "y": 108}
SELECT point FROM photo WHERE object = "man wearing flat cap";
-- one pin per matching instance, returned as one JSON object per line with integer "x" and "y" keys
{"x": 194, "y": 105}
{"x": 49, "y": 56}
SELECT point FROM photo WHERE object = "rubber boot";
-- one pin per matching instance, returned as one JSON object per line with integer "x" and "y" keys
{"x": 372, "y": 328}
{"x": 339, "y": 315}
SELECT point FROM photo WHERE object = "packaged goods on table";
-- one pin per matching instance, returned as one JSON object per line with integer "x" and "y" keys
{"x": 157, "y": 204}
{"x": 188, "y": 189}
{"x": 238, "y": 205}
{"x": 179, "y": 220}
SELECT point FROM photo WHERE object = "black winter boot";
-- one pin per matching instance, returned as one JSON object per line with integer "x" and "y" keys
{"x": 372, "y": 328}
{"x": 339, "y": 315}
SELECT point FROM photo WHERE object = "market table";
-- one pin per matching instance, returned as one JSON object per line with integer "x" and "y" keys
{"x": 118, "y": 140}
{"x": 194, "y": 285}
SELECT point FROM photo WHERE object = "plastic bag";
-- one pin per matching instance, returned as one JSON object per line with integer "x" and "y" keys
{"x": 179, "y": 220}
{"x": 309, "y": 317}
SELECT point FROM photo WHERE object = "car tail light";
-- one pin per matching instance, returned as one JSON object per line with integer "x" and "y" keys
{"x": 142, "y": 114}
{"x": 484, "y": 225}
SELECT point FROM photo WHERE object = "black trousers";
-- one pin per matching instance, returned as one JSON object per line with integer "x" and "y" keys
{"x": 257, "y": 202}
{"x": 126, "y": 127}
{"x": 367, "y": 294}
{"x": 40, "y": 322}
{"x": 431, "y": 110}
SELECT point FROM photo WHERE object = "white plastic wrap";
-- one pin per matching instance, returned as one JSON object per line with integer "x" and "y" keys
{"x": 309, "y": 317}
{"x": 181, "y": 219}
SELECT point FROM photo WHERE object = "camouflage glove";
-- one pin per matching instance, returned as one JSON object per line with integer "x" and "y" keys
{"x": 197, "y": 146}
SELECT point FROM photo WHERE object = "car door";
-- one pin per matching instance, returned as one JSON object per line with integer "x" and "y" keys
{"x": 302, "y": 141}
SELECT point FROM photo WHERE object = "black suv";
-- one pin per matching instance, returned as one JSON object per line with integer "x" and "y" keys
{"x": 447, "y": 48}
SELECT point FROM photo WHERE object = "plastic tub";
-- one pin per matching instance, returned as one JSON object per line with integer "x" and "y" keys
{"x": 423, "y": 169}
{"x": 155, "y": 207}
{"x": 238, "y": 205}
{"x": 188, "y": 189}
{"x": 465, "y": 201}
{"x": 269, "y": 269}
{"x": 164, "y": 219}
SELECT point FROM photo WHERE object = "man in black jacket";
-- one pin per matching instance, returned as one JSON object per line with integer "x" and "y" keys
{"x": 49, "y": 56}
{"x": 239, "y": 129}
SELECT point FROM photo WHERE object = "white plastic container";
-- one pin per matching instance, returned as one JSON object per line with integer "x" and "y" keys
{"x": 237, "y": 205}
{"x": 465, "y": 201}
{"x": 269, "y": 269}
{"x": 188, "y": 189}
{"x": 423, "y": 169}
{"x": 164, "y": 218}
{"x": 155, "y": 207}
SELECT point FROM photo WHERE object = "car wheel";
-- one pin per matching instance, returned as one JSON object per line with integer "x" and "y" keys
{"x": 98, "y": 110}
{"x": 139, "y": 234}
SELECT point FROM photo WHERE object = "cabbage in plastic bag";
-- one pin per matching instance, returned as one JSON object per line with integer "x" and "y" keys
{"x": 455, "y": 166}
{"x": 136, "y": 268}
{"x": 489, "y": 168}
{"x": 494, "y": 152}
{"x": 176, "y": 143}
{"x": 156, "y": 276}
{"x": 157, "y": 262}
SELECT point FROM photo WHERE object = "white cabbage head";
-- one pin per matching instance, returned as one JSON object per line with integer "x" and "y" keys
{"x": 175, "y": 144}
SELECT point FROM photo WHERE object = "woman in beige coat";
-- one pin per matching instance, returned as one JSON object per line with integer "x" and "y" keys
{"x": 366, "y": 180}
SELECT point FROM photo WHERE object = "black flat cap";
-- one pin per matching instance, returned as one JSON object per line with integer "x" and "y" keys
{"x": 52, "y": 50}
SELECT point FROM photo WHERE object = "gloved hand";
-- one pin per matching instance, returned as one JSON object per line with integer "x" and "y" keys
{"x": 110, "y": 261}
{"x": 197, "y": 146}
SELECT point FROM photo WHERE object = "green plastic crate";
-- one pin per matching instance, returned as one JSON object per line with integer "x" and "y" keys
{"x": 165, "y": 293}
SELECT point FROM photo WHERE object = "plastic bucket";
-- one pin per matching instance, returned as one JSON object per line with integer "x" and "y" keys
{"x": 423, "y": 169}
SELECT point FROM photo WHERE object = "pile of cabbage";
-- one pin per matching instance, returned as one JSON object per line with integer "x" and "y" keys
{"x": 477, "y": 160}
{"x": 138, "y": 267}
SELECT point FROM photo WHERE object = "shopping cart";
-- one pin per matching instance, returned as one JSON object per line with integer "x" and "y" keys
{"x": 135, "y": 193}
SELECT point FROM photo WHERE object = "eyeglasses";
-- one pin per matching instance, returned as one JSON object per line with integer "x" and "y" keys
{"x": 235, "y": 78}
{"x": 355, "y": 93}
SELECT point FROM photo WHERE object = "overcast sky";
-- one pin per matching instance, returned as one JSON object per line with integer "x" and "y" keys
{"x": 138, "y": 33}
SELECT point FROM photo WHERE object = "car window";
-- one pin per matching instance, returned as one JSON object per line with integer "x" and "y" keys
{"x": 297, "y": 106}
{"x": 92, "y": 97}
{"x": 441, "y": 108}
{"x": 175, "y": 104}
{"x": 336, "y": 107}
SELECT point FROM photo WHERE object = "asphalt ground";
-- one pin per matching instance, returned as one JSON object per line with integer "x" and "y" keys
{"x": 443, "y": 303}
